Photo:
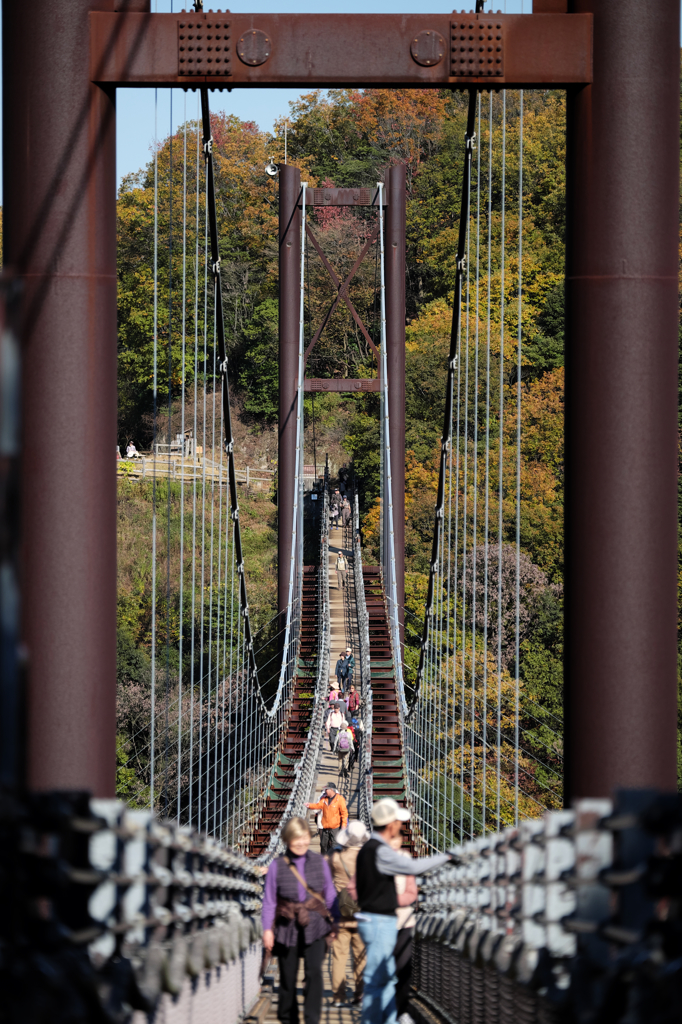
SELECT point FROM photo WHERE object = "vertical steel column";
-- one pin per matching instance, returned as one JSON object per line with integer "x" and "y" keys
{"x": 621, "y": 403}
{"x": 59, "y": 160}
{"x": 395, "y": 358}
{"x": 289, "y": 299}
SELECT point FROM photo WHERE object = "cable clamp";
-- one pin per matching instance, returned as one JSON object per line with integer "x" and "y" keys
{"x": 235, "y": 515}
{"x": 208, "y": 147}
{"x": 440, "y": 513}
{"x": 216, "y": 267}
{"x": 453, "y": 363}
{"x": 245, "y": 611}
{"x": 462, "y": 264}
{"x": 445, "y": 445}
{"x": 240, "y": 569}
{"x": 471, "y": 142}
{"x": 223, "y": 365}
{"x": 229, "y": 445}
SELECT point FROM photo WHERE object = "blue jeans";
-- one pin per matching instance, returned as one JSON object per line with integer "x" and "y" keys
{"x": 379, "y": 933}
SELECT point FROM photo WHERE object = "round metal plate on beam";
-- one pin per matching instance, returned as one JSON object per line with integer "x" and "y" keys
{"x": 254, "y": 47}
{"x": 428, "y": 48}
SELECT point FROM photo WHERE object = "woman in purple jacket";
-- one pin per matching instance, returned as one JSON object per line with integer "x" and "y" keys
{"x": 300, "y": 910}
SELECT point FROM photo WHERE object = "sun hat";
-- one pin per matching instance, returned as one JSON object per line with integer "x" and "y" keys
{"x": 355, "y": 834}
{"x": 387, "y": 810}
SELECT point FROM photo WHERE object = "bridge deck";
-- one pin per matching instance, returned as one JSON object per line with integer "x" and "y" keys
{"x": 344, "y": 633}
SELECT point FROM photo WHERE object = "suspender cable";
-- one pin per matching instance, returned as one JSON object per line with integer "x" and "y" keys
{"x": 168, "y": 493}
{"x": 228, "y": 438}
{"x": 155, "y": 395}
{"x": 182, "y": 474}
{"x": 484, "y": 717}
{"x": 452, "y": 367}
{"x": 500, "y": 522}
{"x": 519, "y": 363}
{"x": 194, "y": 475}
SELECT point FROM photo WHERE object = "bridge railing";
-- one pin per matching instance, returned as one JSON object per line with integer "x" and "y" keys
{"x": 566, "y": 914}
{"x": 366, "y": 788}
{"x": 144, "y": 915}
{"x": 306, "y": 769}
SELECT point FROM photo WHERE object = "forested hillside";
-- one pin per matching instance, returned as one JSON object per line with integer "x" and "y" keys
{"x": 344, "y": 138}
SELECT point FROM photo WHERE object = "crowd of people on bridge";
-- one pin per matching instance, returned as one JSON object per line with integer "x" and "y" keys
{"x": 343, "y": 723}
{"x": 339, "y": 510}
{"x": 356, "y": 896}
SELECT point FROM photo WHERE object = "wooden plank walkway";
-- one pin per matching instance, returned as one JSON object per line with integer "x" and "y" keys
{"x": 344, "y": 633}
{"x": 331, "y": 1014}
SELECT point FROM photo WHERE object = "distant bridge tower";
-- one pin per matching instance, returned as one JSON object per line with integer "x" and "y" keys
{"x": 289, "y": 308}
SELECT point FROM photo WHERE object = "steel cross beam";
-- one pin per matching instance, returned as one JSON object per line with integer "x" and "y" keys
{"x": 227, "y": 50}
{"x": 342, "y": 290}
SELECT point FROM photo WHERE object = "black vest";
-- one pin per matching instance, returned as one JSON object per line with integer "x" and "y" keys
{"x": 376, "y": 892}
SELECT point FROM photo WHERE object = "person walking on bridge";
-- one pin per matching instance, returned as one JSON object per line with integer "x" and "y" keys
{"x": 342, "y": 863}
{"x": 300, "y": 910}
{"x": 340, "y": 671}
{"x": 353, "y": 700}
{"x": 349, "y": 668}
{"x": 334, "y": 815}
{"x": 341, "y": 570}
{"x": 334, "y": 723}
{"x": 377, "y": 867}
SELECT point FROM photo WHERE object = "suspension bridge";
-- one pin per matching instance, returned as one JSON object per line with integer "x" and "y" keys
{"x": 563, "y": 900}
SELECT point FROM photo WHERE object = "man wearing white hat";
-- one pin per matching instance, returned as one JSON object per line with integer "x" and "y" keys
{"x": 377, "y": 866}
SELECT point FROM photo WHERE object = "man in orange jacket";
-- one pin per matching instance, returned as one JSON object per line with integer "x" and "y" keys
{"x": 334, "y": 815}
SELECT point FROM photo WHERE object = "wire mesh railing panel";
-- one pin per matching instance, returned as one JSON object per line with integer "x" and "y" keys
{"x": 305, "y": 771}
{"x": 365, "y": 673}
{"x": 203, "y": 741}
{"x": 482, "y": 753}
{"x": 562, "y": 918}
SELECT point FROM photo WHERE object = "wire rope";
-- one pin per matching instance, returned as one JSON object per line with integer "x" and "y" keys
{"x": 182, "y": 474}
{"x": 168, "y": 488}
{"x": 195, "y": 434}
{"x": 474, "y": 511}
{"x": 484, "y": 737}
{"x": 152, "y": 765}
{"x": 519, "y": 363}
{"x": 500, "y": 523}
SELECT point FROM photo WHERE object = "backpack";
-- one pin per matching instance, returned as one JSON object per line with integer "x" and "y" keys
{"x": 347, "y": 904}
{"x": 344, "y": 740}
